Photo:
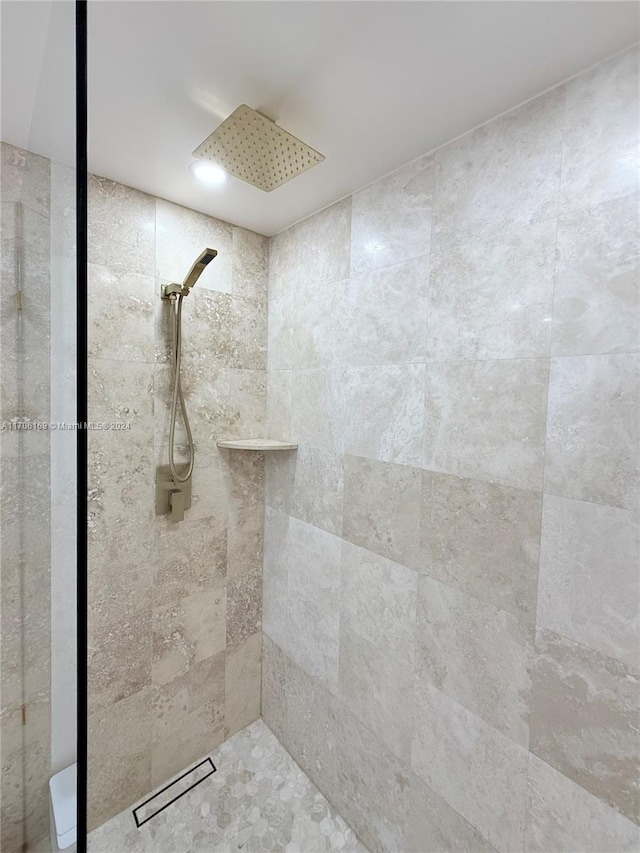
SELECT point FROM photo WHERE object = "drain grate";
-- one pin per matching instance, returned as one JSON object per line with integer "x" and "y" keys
{"x": 163, "y": 798}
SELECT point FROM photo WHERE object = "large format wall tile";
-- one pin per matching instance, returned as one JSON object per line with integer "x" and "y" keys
{"x": 601, "y": 133}
{"x": 563, "y": 817}
{"x": 122, "y": 315}
{"x": 589, "y": 581}
{"x": 311, "y": 726}
{"x": 314, "y": 251}
{"x": 119, "y": 756}
{"x": 317, "y": 408}
{"x": 584, "y": 719}
{"x": 274, "y": 687}
{"x": 382, "y": 508}
{"x": 391, "y": 218}
{"x": 307, "y": 484}
{"x": 504, "y": 174}
{"x": 432, "y": 825}
{"x": 477, "y": 654}
{"x": 478, "y": 771}
{"x": 181, "y": 236}
{"x": 378, "y": 600}
{"x": 483, "y": 539}
{"x": 473, "y": 266}
{"x": 593, "y": 430}
{"x": 377, "y": 687}
{"x": 487, "y": 420}
{"x": 371, "y": 791}
{"x": 385, "y": 406}
{"x": 491, "y": 297}
{"x": 596, "y": 307}
{"x": 175, "y": 608}
{"x": 187, "y": 717}
{"x": 121, "y": 227}
{"x": 250, "y": 265}
{"x": 388, "y": 314}
{"x": 242, "y": 685}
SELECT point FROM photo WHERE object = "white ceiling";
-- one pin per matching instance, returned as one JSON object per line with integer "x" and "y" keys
{"x": 371, "y": 85}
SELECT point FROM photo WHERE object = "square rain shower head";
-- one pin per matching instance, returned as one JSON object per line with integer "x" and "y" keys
{"x": 253, "y": 148}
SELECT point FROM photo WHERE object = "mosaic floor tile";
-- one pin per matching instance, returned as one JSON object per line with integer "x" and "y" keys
{"x": 258, "y": 800}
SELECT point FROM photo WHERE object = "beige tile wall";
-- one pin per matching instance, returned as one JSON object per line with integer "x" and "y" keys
{"x": 174, "y": 609}
{"x": 451, "y": 586}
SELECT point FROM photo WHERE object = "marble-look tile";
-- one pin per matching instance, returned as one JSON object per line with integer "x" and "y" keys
{"x": 182, "y": 235}
{"x": 391, "y": 218}
{"x": 318, "y": 408}
{"x": 377, "y": 688}
{"x": 487, "y": 420}
{"x": 384, "y": 412}
{"x": 589, "y": 588}
{"x": 378, "y": 600}
{"x": 250, "y": 265}
{"x": 314, "y": 251}
{"x": 187, "y": 559}
{"x": 371, "y": 791}
{"x": 478, "y": 771}
{"x": 313, "y": 559}
{"x": 593, "y": 429}
{"x": 563, "y": 817}
{"x": 502, "y": 175}
{"x": 312, "y": 727}
{"x": 187, "y": 718}
{"x": 119, "y": 762}
{"x": 482, "y": 539}
{"x": 242, "y": 685}
{"x": 313, "y": 639}
{"x": 257, "y": 800}
{"x": 121, "y": 476}
{"x": 601, "y": 133}
{"x": 432, "y": 825}
{"x": 382, "y": 508}
{"x": 206, "y": 389}
{"x": 309, "y": 328}
{"x": 121, "y": 315}
{"x": 274, "y": 687}
{"x": 307, "y": 484}
{"x": 187, "y": 631}
{"x": 245, "y": 527}
{"x": 244, "y": 607}
{"x": 247, "y": 404}
{"x": 275, "y": 575}
{"x": 249, "y": 325}
{"x": 388, "y": 314}
{"x": 279, "y": 390}
{"x": 584, "y": 719}
{"x": 596, "y": 305}
{"x": 121, "y": 227}
{"x": 119, "y": 656}
{"x": 477, "y": 654}
{"x": 491, "y": 297}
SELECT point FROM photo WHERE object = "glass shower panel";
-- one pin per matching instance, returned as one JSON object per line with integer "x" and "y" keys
{"x": 38, "y": 420}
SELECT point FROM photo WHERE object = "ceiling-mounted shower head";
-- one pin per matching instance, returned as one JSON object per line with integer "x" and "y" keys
{"x": 252, "y": 147}
{"x": 198, "y": 268}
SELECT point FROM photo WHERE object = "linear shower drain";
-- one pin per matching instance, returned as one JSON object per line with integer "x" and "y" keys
{"x": 163, "y": 798}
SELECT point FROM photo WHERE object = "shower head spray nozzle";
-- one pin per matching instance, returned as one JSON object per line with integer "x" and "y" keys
{"x": 171, "y": 292}
{"x": 197, "y": 269}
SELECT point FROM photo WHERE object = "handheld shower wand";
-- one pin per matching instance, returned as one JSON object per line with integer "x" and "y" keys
{"x": 174, "y": 294}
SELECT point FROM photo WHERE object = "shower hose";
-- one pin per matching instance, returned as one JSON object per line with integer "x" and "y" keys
{"x": 177, "y": 396}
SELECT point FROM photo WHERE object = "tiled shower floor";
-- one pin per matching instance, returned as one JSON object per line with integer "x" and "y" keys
{"x": 257, "y": 800}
